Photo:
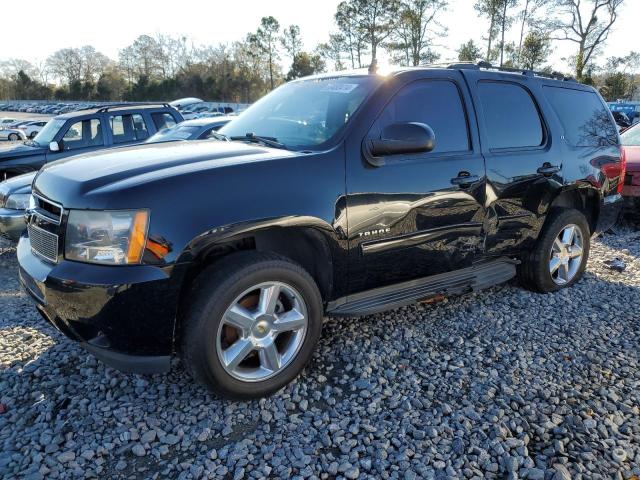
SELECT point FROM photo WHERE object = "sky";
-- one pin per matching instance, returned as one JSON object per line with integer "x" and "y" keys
{"x": 52, "y": 25}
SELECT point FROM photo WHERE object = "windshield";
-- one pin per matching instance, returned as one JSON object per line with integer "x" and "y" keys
{"x": 304, "y": 115}
{"x": 177, "y": 132}
{"x": 48, "y": 132}
{"x": 631, "y": 138}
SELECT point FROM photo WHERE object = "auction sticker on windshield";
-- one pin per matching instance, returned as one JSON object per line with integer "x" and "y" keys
{"x": 340, "y": 87}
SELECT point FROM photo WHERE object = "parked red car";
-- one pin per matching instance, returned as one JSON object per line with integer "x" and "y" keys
{"x": 631, "y": 151}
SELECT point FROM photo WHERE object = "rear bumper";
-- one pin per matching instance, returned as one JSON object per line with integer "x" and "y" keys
{"x": 12, "y": 223}
{"x": 125, "y": 316}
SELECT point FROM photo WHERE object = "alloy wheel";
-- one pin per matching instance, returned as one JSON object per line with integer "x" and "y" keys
{"x": 566, "y": 255}
{"x": 262, "y": 331}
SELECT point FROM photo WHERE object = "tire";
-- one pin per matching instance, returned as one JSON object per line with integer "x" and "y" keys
{"x": 33, "y": 135}
{"x": 207, "y": 336}
{"x": 535, "y": 272}
{"x": 13, "y": 137}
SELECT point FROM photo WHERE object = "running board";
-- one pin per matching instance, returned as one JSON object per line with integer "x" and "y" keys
{"x": 476, "y": 277}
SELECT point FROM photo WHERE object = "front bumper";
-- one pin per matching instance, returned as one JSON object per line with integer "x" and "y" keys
{"x": 12, "y": 223}
{"x": 124, "y": 315}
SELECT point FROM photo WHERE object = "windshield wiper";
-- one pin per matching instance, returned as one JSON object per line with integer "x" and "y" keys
{"x": 268, "y": 141}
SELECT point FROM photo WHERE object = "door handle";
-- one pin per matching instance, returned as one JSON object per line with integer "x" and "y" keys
{"x": 548, "y": 169}
{"x": 464, "y": 179}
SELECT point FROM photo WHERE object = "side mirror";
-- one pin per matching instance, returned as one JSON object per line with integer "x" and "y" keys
{"x": 400, "y": 138}
{"x": 54, "y": 146}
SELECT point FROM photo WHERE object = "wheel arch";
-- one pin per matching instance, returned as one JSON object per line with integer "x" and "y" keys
{"x": 311, "y": 243}
{"x": 582, "y": 197}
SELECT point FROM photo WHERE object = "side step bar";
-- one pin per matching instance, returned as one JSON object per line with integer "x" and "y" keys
{"x": 476, "y": 277}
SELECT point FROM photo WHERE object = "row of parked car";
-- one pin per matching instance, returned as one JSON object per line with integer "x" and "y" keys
{"x": 83, "y": 132}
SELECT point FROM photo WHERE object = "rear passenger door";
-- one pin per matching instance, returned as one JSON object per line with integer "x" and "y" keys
{"x": 523, "y": 158}
{"x": 419, "y": 214}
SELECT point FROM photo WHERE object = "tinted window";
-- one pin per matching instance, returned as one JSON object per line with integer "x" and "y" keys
{"x": 128, "y": 128}
{"x": 83, "y": 134}
{"x": 436, "y": 103}
{"x": 510, "y": 116}
{"x": 586, "y": 121}
{"x": 163, "y": 120}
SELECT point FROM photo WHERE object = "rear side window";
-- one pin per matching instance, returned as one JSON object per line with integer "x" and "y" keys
{"x": 510, "y": 116}
{"x": 436, "y": 103}
{"x": 128, "y": 128}
{"x": 163, "y": 120}
{"x": 586, "y": 121}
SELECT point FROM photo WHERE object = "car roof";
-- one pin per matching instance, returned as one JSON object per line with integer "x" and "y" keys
{"x": 485, "y": 67}
{"x": 206, "y": 121}
{"x": 114, "y": 108}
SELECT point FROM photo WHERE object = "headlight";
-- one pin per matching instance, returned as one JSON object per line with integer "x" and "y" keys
{"x": 111, "y": 237}
{"x": 18, "y": 201}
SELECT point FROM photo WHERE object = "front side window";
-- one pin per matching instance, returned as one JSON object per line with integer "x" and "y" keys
{"x": 83, "y": 134}
{"x": 436, "y": 103}
{"x": 128, "y": 128}
{"x": 304, "y": 114}
{"x": 585, "y": 119}
{"x": 510, "y": 116}
{"x": 48, "y": 133}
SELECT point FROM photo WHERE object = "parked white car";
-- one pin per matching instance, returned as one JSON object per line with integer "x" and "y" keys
{"x": 4, "y": 121}
{"x": 12, "y": 134}
{"x": 31, "y": 129}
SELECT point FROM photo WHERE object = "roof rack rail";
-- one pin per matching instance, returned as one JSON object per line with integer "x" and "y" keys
{"x": 488, "y": 66}
{"x": 106, "y": 108}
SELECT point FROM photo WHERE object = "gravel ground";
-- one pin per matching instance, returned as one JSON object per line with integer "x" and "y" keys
{"x": 500, "y": 384}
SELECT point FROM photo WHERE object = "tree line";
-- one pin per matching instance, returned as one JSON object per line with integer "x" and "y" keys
{"x": 405, "y": 32}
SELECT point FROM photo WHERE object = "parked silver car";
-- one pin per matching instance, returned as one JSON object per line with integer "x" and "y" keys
{"x": 15, "y": 195}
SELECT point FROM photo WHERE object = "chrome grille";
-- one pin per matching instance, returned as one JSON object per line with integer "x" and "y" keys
{"x": 47, "y": 209}
{"x": 43, "y": 243}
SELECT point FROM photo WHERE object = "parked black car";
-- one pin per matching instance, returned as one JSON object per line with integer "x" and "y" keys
{"x": 86, "y": 131}
{"x": 339, "y": 194}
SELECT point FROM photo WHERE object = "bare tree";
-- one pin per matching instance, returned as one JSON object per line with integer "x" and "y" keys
{"x": 353, "y": 41}
{"x": 376, "y": 20}
{"x": 491, "y": 10}
{"x": 66, "y": 65}
{"x": 265, "y": 40}
{"x": 586, "y": 24}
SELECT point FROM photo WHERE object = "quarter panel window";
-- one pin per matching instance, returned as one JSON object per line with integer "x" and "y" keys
{"x": 163, "y": 120}
{"x": 585, "y": 119}
{"x": 510, "y": 116}
{"x": 436, "y": 103}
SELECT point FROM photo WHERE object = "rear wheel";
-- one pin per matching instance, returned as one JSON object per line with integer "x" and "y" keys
{"x": 13, "y": 137}
{"x": 560, "y": 255}
{"x": 252, "y": 326}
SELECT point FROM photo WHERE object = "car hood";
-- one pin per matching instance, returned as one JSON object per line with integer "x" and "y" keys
{"x": 19, "y": 184}
{"x": 632, "y": 155}
{"x": 13, "y": 150}
{"x": 91, "y": 180}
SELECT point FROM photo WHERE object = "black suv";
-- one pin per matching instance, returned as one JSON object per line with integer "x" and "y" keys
{"x": 339, "y": 194}
{"x": 84, "y": 132}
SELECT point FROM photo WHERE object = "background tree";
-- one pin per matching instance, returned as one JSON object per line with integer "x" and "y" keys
{"x": 587, "y": 25}
{"x": 535, "y": 51}
{"x": 376, "y": 20}
{"x": 412, "y": 36}
{"x": 491, "y": 10}
{"x": 265, "y": 41}
{"x": 469, "y": 52}
{"x": 333, "y": 50}
{"x": 306, "y": 64}
{"x": 351, "y": 36}
{"x": 505, "y": 22}
{"x": 291, "y": 40}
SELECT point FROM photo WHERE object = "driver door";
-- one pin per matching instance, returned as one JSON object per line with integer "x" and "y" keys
{"x": 416, "y": 215}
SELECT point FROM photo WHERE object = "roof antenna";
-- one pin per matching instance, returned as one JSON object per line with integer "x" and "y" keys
{"x": 373, "y": 68}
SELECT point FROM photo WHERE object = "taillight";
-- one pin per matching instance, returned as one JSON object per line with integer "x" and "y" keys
{"x": 623, "y": 169}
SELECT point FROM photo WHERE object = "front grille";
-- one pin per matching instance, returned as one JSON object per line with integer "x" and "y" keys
{"x": 43, "y": 243}
{"x": 47, "y": 209}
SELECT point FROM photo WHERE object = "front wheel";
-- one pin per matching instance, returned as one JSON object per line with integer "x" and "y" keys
{"x": 13, "y": 137}
{"x": 252, "y": 326}
{"x": 560, "y": 255}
